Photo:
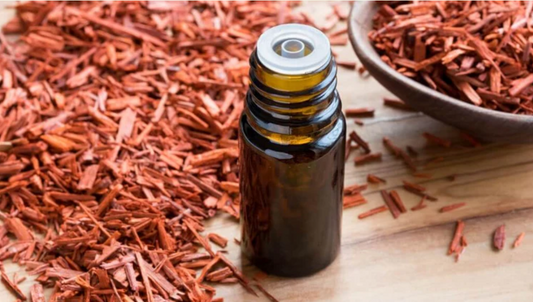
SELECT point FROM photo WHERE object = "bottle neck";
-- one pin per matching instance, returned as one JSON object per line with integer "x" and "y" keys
{"x": 292, "y": 109}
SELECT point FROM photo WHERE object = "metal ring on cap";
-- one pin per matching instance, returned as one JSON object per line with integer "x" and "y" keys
{"x": 293, "y": 65}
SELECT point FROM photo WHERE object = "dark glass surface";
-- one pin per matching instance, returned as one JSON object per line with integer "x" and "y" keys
{"x": 291, "y": 201}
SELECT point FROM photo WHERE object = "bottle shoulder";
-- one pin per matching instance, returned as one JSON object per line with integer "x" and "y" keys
{"x": 314, "y": 149}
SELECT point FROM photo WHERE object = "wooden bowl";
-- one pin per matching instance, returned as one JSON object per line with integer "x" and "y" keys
{"x": 484, "y": 124}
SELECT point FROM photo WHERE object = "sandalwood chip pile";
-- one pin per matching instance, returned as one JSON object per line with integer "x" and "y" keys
{"x": 118, "y": 138}
{"x": 476, "y": 51}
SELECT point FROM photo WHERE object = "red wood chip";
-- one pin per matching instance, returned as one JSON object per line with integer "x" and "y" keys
{"x": 119, "y": 139}
{"x": 518, "y": 240}
{"x": 456, "y": 237}
{"x": 499, "y": 237}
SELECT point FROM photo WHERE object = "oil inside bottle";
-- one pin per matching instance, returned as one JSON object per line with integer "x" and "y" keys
{"x": 292, "y": 160}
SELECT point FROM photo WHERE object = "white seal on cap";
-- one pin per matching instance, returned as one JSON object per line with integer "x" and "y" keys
{"x": 293, "y": 49}
{"x": 292, "y": 60}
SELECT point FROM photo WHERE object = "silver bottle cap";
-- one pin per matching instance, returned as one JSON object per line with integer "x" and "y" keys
{"x": 293, "y": 49}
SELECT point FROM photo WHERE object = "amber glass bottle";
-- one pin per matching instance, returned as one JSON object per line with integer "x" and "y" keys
{"x": 292, "y": 154}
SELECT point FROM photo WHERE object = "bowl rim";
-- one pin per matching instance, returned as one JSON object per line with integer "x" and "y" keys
{"x": 368, "y": 55}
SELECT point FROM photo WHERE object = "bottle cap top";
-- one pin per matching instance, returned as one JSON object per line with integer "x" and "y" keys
{"x": 293, "y": 49}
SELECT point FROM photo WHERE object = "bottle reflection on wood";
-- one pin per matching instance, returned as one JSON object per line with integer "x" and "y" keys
{"x": 292, "y": 154}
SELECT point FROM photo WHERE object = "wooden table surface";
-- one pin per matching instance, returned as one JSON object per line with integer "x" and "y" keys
{"x": 383, "y": 259}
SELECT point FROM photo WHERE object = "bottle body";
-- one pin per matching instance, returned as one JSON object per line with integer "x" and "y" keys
{"x": 291, "y": 201}
{"x": 292, "y": 144}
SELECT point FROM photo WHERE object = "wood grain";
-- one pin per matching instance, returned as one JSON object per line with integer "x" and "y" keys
{"x": 383, "y": 259}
